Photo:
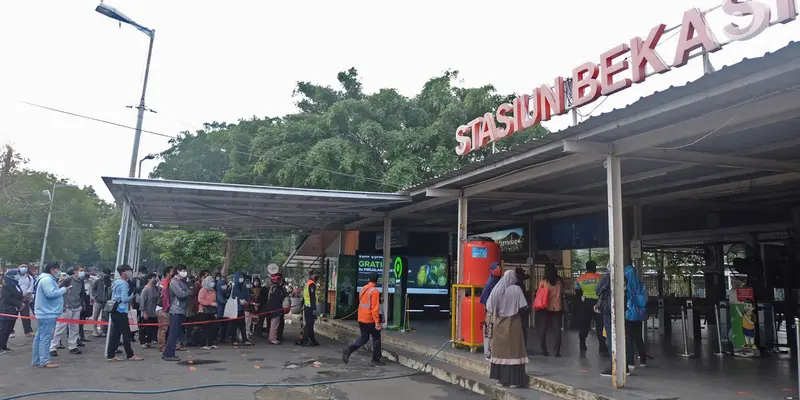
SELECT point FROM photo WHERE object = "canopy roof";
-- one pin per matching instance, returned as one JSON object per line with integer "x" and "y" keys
{"x": 163, "y": 204}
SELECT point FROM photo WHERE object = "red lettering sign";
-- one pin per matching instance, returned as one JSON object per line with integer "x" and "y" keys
{"x": 744, "y": 294}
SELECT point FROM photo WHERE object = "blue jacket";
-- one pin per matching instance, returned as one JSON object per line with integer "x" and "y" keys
{"x": 635, "y": 296}
{"x": 121, "y": 292}
{"x": 240, "y": 291}
{"x": 222, "y": 297}
{"x": 49, "y": 297}
{"x": 487, "y": 289}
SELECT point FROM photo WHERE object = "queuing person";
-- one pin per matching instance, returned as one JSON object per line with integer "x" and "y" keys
{"x": 274, "y": 306}
{"x": 73, "y": 306}
{"x": 48, "y": 306}
{"x": 10, "y": 303}
{"x": 509, "y": 356}
{"x": 586, "y": 286}
{"x": 522, "y": 277}
{"x": 26, "y": 280}
{"x": 261, "y": 300}
{"x": 635, "y": 314}
{"x": 101, "y": 294}
{"x": 553, "y": 314}
{"x": 310, "y": 310}
{"x": 495, "y": 273}
{"x": 241, "y": 293}
{"x": 121, "y": 295}
{"x": 187, "y": 336}
{"x": 163, "y": 315}
{"x": 150, "y": 297}
{"x": 223, "y": 294}
{"x": 369, "y": 321}
{"x": 207, "y": 299}
{"x": 178, "y": 297}
{"x": 86, "y": 306}
{"x": 250, "y": 306}
{"x": 604, "y": 293}
{"x": 277, "y": 279}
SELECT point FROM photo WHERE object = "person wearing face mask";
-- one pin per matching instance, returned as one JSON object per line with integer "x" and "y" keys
{"x": 150, "y": 295}
{"x": 121, "y": 296}
{"x": 310, "y": 310}
{"x": 241, "y": 293}
{"x": 223, "y": 293}
{"x": 48, "y": 305}
{"x": 178, "y": 296}
{"x": 10, "y": 302}
{"x": 207, "y": 299}
{"x": 73, "y": 305}
{"x": 26, "y": 280}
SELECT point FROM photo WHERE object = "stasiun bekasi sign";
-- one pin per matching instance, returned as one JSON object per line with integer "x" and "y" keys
{"x": 591, "y": 80}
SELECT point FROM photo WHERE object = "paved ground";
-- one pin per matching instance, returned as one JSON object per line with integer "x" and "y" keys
{"x": 668, "y": 376}
{"x": 259, "y": 364}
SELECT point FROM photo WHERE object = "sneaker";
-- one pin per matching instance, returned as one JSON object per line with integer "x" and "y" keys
{"x": 53, "y": 353}
{"x": 75, "y": 351}
{"x": 60, "y": 346}
{"x": 86, "y": 340}
{"x": 96, "y": 335}
{"x": 345, "y": 356}
{"x": 7, "y": 349}
{"x": 643, "y": 364}
{"x": 30, "y": 334}
{"x": 80, "y": 344}
{"x": 608, "y": 373}
{"x": 171, "y": 359}
{"x": 2, "y": 352}
{"x": 630, "y": 367}
{"x": 379, "y": 363}
{"x": 11, "y": 336}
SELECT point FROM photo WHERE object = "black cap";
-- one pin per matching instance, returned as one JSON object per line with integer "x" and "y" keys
{"x": 124, "y": 267}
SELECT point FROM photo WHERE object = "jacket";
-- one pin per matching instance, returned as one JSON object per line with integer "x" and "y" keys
{"x": 10, "y": 298}
{"x": 150, "y": 296}
{"x": 604, "y": 294}
{"x": 207, "y": 298}
{"x": 101, "y": 291}
{"x": 49, "y": 297}
{"x": 635, "y": 296}
{"x": 275, "y": 297}
{"x": 121, "y": 293}
{"x": 73, "y": 300}
{"x": 240, "y": 292}
{"x": 222, "y": 296}
{"x": 178, "y": 296}
{"x": 487, "y": 289}
{"x": 369, "y": 305}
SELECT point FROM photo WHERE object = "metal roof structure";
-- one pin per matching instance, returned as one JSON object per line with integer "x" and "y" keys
{"x": 725, "y": 141}
{"x": 163, "y": 204}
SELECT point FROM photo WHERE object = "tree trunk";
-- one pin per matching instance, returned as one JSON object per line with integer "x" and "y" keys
{"x": 228, "y": 255}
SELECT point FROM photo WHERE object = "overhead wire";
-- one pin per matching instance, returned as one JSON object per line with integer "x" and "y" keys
{"x": 250, "y": 147}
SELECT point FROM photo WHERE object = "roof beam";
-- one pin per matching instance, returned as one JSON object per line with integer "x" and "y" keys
{"x": 723, "y": 189}
{"x": 698, "y": 158}
{"x": 526, "y": 196}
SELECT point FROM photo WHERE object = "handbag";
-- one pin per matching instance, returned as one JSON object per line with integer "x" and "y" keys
{"x": 210, "y": 310}
{"x": 542, "y": 299}
{"x": 231, "y": 308}
{"x": 133, "y": 316}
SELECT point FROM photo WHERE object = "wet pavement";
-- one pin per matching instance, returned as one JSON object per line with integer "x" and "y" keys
{"x": 263, "y": 363}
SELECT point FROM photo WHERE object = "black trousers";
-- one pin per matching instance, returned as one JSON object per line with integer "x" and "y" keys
{"x": 119, "y": 327}
{"x": 25, "y": 311}
{"x": 239, "y": 325}
{"x": 148, "y": 334}
{"x": 633, "y": 336}
{"x": 368, "y": 330}
{"x": 554, "y": 320}
{"x": 587, "y": 316}
{"x": 6, "y": 327}
{"x": 308, "y": 328}
{"x": 210, "y": 330}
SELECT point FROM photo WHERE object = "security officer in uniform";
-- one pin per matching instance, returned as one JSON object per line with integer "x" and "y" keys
{"x": 310, "y": 309}
{"x": 369, "y": 322}
{"x": 586, "y": 285}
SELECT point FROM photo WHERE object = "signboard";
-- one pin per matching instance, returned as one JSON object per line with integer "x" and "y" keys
{"x": 511, "y": 241}
{"x": 636, "y": 249}
{"x": 620, "y": 67}
{"x": 345, "y": 278}
{"x": 426, "y": 275}
{"x": 399, "y": 239}
{"x": 744, "y": 294}
{"x": 480, "y": 252}
{"x": 743, "y": 323}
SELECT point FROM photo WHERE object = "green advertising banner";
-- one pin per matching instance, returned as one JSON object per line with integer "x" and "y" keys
{"x": 743, "y": 323}
{"x": 345, "y": 280}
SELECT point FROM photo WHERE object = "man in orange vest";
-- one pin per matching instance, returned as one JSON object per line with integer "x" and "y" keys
{"x": 586, "y": 286}
{"x": 369, "y": 321}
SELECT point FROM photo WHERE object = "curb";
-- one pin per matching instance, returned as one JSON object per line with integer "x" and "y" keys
{"x": 548, "y": 386}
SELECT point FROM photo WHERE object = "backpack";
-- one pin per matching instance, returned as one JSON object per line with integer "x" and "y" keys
{"x": 636, "y": 304}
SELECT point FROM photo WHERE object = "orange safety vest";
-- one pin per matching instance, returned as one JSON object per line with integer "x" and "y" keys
{"x": 369, "y": 305}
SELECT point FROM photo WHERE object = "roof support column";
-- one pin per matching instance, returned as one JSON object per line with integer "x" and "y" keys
{"x": 133, "y": 244}
{"x": 463, "y": 202}
{"x": 637, "y": 236}
{"x": 617, "y": 270}
{"x": 123, "y": 235}
{"x": 387, "y": 257}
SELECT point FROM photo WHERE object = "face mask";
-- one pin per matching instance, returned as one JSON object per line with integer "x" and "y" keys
{"x": 23, "y": 271}
{"x": 14, "y": 277}
{"x": 241, "y": 280}
{"x": 210, "y": 285}
{"x": 81, "y": 274}
{"x": 224, "y": 287}
{"x": 248, "y": 286}
{"x": 218, "y": 278}
{"x": 183, "y": 274}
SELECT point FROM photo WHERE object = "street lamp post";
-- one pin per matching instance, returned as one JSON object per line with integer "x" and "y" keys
{"x": 113, "y": 13}
{"x": 51, "y": 194}
{"x": 147, "y": 157}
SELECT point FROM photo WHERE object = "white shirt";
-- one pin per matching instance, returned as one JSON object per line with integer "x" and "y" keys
{"x": 26, "y": 284}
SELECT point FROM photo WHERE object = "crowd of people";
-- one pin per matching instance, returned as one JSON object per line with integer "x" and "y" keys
{"x": 170, "y": 312}
{"x": 508, "y": 304}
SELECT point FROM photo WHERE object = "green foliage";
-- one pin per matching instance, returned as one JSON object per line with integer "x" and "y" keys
{"x": 196, "y": 250}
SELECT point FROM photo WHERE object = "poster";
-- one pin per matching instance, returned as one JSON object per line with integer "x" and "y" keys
{"x": 743, "y": 324}
{"x": 511, "y": 241}
{"x": 345, "y": 277}
{"x": 426, "y": 275}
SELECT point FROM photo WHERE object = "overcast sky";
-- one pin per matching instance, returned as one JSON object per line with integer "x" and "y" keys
{"x": 225, "y": 60}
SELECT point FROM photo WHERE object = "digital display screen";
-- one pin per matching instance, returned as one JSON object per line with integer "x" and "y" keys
{"x": 426, "y": 275}
{"x": 480, "y": 252}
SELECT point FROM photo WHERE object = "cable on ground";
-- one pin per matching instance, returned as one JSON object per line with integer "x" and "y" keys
{"x": 222, "y": 385}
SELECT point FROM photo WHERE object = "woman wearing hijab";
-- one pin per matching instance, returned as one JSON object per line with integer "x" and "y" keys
{"x": 242, "y": 295}
{"x": 495, "y": 273}
{"x": 554, "y": 313}
{"x": 635, "y": 312}
{"x": 207, "y": 298}
{"x": 506, "y": 303}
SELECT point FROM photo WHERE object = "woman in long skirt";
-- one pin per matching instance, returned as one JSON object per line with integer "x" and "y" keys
{"x": 506, "y": 304}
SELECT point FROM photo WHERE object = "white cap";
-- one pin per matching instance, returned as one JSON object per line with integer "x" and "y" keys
{"x": 272, "y": 269}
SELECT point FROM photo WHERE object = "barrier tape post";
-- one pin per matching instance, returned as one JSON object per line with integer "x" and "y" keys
{"x": 797, "y": 343}
{"x": 685, "y": 353}
{"x": 719, "y": 332}
{"x": 108, "y": 332}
